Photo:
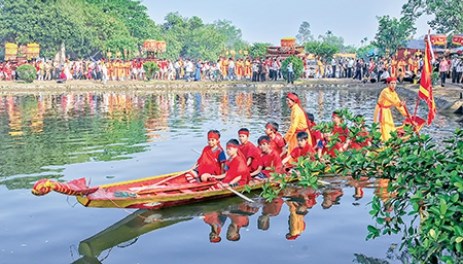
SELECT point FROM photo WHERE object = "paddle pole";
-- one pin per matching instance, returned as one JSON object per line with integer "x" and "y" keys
{"x": 242, "y": 196}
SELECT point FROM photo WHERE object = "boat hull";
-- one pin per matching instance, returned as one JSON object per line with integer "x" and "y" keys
{"x": 174, "y": 192}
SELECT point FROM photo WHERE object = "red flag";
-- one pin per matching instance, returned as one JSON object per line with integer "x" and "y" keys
{"x": 425, "y": 92}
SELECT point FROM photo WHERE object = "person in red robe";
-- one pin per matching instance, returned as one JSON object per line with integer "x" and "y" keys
{"x": 362, "y": 139}
{"x": 317, "y": 137}
{"x": 340, "y": 133}
{"x": 277, "y": 141}
{"x": 303, "y": 149}
{"x": 237, "y": 172}
{"x": 211, "y": 160}
{"x": 271, "y": 161}
{"x": 251, "y": 153}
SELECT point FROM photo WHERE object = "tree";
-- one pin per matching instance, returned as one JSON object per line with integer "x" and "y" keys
{"x": 367, "y": 51}
{"x": 321, "y": 48}
{"x": 448, "y": 14}
{"x": 332, "y": 40}
{"x": 304, "y": 33}
{"x": 86, "y": 26}
{"x": 232, "y": 34}
{"x": 258, "y": 50}
{"x": 392, "y": 32}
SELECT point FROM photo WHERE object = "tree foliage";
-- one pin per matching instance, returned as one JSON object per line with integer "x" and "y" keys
{"x": 448, "y": 14}
{"x": 321, "y": 48}
{"x": 258, "y": 50}
{"x": 27, "y": 73}
{"x": 298, "y": 67}
{"x": 304, "y": 33}
{"x": 92, "y": 27}
{"x": 392, "y": 33}
{"x": 422, "y": 198}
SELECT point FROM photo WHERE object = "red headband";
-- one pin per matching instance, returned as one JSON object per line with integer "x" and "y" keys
{"x": 271, "y": 126}
{"x": 293, "y": 98}
{"x": 391, "y": 79}
{"x": 231, "y": 145}
{"x": 243, "y": 132}
{"x": 213, "y": 135}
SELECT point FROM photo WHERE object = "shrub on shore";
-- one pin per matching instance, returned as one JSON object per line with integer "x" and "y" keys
{"x": 26, "y": 73}
{"x": 151, "y": 68}
{"x": 298, "y": 67}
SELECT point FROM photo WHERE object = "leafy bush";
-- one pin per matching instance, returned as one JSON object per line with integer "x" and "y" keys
{"x": 298, "y": 67}
{"x": 424, "y": 181}
{"x": 151, "y": 68}
{"x": 27, "y": 73}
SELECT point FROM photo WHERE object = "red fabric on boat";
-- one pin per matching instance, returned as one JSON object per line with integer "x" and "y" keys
{"x": 249, "y": 150}
{"x": 237, "y": 167}
{"x": 209, "y": 162}
{"x": 359, "y": 145}
{"x": 302, "y": 152}
{"x": 271, "y": 160}
{"x": 278, "y": 143}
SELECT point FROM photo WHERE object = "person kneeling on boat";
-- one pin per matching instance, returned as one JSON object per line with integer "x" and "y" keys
{"x": 211, "y": 160}
{"x": 277, "y": 142}
{"x": 303, "y": 149}
{"x": 339, "y": 134}
{"x": 237, "y": 170}
{"x": 251, "y": 153}
{"x": 271, "y": 161}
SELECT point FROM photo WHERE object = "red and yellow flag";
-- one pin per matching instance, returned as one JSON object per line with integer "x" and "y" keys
{"x": 425, "y": 92}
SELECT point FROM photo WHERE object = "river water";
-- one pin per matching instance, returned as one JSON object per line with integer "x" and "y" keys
{"x": 117, "y": 136}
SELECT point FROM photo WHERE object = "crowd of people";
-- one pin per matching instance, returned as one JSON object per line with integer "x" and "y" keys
{"x": 255, "y": 70}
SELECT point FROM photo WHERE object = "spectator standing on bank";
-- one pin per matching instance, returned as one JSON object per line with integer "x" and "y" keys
{"x": 290, "y": 77}
{"x": 443, "y": 70}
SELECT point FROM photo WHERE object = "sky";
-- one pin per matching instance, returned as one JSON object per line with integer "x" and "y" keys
{"x": 271, "y": 20}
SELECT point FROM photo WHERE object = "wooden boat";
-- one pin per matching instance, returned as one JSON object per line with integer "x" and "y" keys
{"x": 154, "y": 192}
{"x": 148, "y": 193}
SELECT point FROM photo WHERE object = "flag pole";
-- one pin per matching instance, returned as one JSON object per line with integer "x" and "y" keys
{"x": 428, "y": 43}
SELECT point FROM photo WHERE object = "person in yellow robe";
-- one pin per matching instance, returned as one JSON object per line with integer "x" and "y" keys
{"x": 298, "y": 122}
{"x": 383, "y": 115}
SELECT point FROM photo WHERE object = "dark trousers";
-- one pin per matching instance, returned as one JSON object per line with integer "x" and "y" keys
{"x": 255, "y": 77}
{"x": 349, "y": 72}
{"x": 459, "y": 75}
{"x": 358, "y": 74}
{"x": 443, "y": 76}
{"x": 333, "y": 67}
{"x": 454, "y": 75}
{"x": 290, "y": 77}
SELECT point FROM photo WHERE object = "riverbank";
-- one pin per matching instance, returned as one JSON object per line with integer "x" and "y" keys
{"x": 448, "y": 98}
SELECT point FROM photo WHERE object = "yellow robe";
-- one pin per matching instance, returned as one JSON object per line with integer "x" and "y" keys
{"x": 298, "y": 124}
{"x": 383, "y": 114}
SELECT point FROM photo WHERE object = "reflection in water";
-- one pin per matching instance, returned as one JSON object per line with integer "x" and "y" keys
{"x": 231, "y": 215}
{"x": 41, "y": 134}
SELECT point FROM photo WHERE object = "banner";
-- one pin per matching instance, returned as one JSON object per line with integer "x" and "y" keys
{"x": 438, "y": 40}
{"x": 458, "y": 40}
{"x": 425, "y": 92}
{"x": 11, "y": 51}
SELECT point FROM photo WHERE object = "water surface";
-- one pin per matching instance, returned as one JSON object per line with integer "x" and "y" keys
{"x": 109, "y": 137}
